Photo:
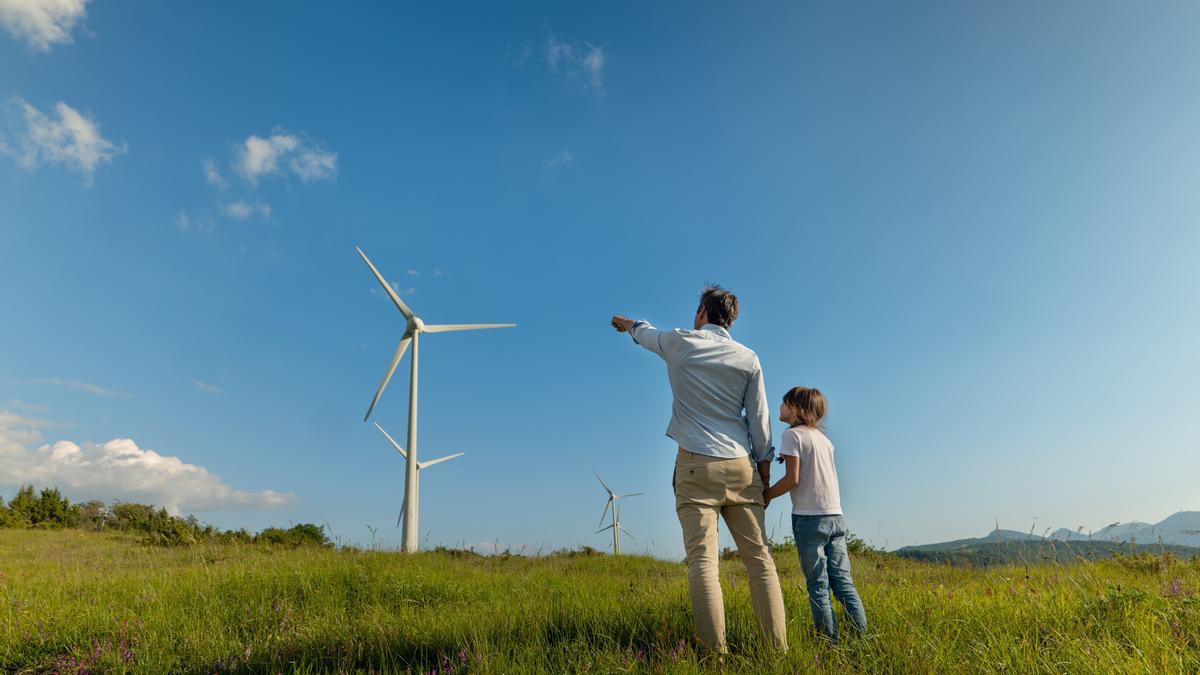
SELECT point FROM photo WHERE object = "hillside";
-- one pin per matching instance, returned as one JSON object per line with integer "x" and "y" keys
{"x": 988, "y": 551}
{"x": 73, "y": 601}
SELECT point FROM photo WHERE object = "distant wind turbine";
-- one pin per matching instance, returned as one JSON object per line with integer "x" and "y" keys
{"x": 412, "y": 333}
{"x": 420, "y": 465}
{"x": 614, "y": 502}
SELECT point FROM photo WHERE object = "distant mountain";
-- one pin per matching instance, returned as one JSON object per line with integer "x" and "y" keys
{"x": 1182, "y": 528}
{"x": 983, "y": 552}
{"x": 1007, "y": 535}
{"x": 1178, "y": 534}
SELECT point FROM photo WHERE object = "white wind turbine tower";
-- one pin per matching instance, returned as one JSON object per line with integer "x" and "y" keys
{"x": 412, "y": 333}
{"x": 614, "y": 502}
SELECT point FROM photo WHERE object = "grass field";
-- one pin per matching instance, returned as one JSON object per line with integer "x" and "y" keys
{"x": 73, "y": 601}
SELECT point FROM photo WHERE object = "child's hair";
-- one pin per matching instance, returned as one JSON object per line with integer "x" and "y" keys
{"x": 809, "y": 404}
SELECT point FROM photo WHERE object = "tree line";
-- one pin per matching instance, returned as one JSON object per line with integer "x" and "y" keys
{"x": 50, "y": 510}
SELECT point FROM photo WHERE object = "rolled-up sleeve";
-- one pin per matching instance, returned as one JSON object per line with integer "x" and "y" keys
{"x": 758, "y": 417}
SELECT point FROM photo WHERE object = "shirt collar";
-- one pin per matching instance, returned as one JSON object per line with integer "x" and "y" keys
{"x": 716, "y": 329}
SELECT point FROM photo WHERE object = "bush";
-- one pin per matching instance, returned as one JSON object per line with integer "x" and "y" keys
{"x": 298, "y": 535}
{"x": 49, "y": 510}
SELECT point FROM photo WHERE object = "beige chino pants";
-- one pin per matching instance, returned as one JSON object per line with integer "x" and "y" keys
{"x": 706, "y": 487}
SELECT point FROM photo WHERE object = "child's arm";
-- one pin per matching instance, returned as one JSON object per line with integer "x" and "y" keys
{"x": 791, "y": 478}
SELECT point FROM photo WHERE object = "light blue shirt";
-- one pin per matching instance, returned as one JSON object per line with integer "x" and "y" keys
{"x": 713, "y": 379}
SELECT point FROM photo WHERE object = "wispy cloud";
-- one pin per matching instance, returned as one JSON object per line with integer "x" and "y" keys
{"x": 42, "y": 23}
{"x": 581, "y": 63}
{"x": 518, "y": 56}
{"x": 65, "y": 136}
{"x": 186, "y": 224}
{"x": 94, "y": 389}
{"x": 400, "y": 290}
{"x": 279, "y": 154}
{"x": 118, "y": 469}
{"x": 243, "y": 210}
{"x": 413, "y": 273}
{"x": 213, "y": 176}
{"x": 206, "y": 387}
{"x": 308, "y": 160}
{"x": 28, "y": 407}
{"x": 564, "y": 157}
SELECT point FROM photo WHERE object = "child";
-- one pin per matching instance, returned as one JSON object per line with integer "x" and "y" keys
{"x": 817, "y": 523}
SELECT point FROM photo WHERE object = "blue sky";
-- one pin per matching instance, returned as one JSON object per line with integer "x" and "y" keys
{"x": 974, "y": 226}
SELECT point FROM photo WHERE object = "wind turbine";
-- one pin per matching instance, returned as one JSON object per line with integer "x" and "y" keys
{"x": 412, "y": 333}
{"x": 420, "y": 466}
{"x": 614, "y": 501}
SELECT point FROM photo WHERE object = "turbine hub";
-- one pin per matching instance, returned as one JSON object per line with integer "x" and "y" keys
{"x": 417, "y": 324}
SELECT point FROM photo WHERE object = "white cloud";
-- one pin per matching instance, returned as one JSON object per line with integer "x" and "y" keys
{"x": 118, "y": 469}
{"x": 76, "y": 384}
{"x": 312, "y": 164}
{"x": 65, "y": 137}
{"x": 258, "y": 157}
{"x": 413, "y": 273}
{"x": 188, "y": 225}
{"x": 582, "y": 64}
{"x": 213, "y": 176}
{"x": 243, "y": 210}
{"x": 206, "y": 387}
{"x": 12, "y": 419}
{"x": 42, "y": 23}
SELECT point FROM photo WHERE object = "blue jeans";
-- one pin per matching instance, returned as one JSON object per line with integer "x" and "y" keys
{"x": 821, "y": 542}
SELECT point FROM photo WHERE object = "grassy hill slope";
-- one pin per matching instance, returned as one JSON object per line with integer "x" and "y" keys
{"x": 76, "y": 601}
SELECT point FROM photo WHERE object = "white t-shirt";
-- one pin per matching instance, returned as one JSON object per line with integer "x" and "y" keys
{"x": 817, "y": 494}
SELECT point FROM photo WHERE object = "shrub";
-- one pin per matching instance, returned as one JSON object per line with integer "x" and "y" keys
{"x": 298, "y": 535}
{"x": 49, "y": 510}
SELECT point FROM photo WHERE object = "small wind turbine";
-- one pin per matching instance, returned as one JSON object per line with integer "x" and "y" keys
{"x": 420, "y": 466}
{"x": 412, "y": 333}
{"x": 614, "y": 502}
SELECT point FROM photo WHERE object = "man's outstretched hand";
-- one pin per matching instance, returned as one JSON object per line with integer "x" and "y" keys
{"x": 622, "y": 324}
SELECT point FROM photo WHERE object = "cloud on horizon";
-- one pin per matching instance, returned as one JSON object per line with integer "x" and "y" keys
{"x": 42, "y": 23}
{"x": 65, "y": 137}
{"x": 118, "y": 469}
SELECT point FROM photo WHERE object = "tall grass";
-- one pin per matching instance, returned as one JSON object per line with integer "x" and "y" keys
{"x": 79, "y": 601}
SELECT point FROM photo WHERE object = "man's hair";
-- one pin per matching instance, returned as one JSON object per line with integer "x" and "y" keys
{"x": 809, "y": 404}
{"x": 722, "y": 305}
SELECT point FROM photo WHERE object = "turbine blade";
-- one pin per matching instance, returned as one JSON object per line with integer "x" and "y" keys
{"x": 627, "y": 532}
{"x": 400, "y": 349}
{"x": 632, "y": 494}
{"x": 408, "y": 314}
{"x": 603, "y": 529}
{"x": 610, "y": 492}
{"x": 605, "y": 514}
{"x": 448, "y": 327}
{"x": 391, "y": 440}
{"x": 439, "y": 460}
{"x": 400, "y": 517}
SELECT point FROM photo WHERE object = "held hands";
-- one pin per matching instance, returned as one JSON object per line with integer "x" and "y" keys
{"x": 622, "y": 324}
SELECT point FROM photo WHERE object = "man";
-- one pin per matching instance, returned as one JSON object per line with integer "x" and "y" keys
{"x": 724, "y": 460}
